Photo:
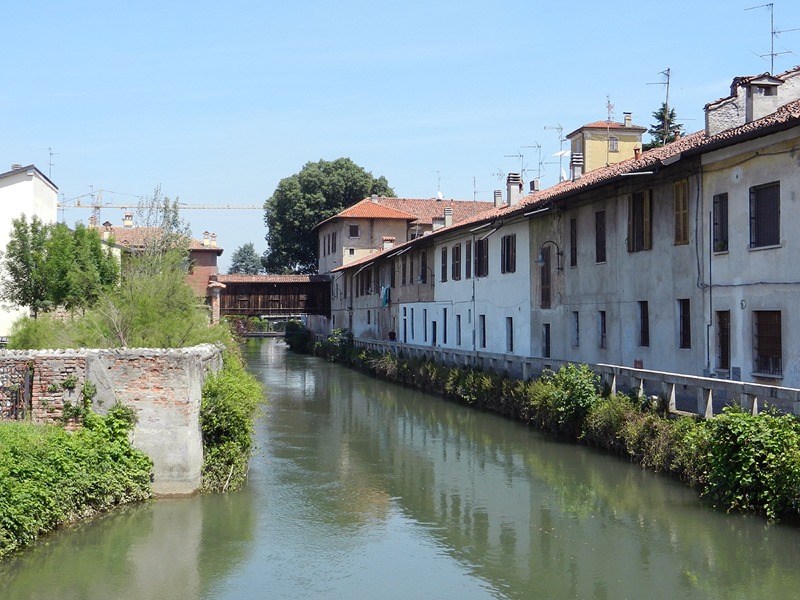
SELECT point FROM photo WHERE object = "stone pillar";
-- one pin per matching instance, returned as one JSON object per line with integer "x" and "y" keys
{"x": 214, "y": 288}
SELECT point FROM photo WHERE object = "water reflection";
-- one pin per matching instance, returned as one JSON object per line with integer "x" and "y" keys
{"x": 361, "y": 489}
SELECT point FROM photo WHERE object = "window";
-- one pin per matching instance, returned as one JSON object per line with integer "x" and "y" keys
{"x": 644, "y": 323}
{"x": 423, "y": 266}
{"x": 684, "y": 324}
{"x": 424, "y": 324}
{"x": 613, "y": 144}
{"x": 720, "y": 218}
{"x": 508, "y": 253}
{"x": 546, "y": 340}
{"x": 458, "y": 330}
{"x": 467, "y": 260}
{"x": 456, "y": 263}
{"x": 412, "y": 279}
{"x": 573, "y": 242}
{"x": 600, "y": 236}
{"x": 767, "y": 342}
{"x": 765, "y": 215}
{"x": 680, "y": 199}
{"x": 444, "y": 264}
{"x": 353, "y": 231}
{"x": 482, "y": 257}
{"x": 333, "y": 242}
{"x": 403, "y": 273}
{"x": 368, "y": 318}
{"x": 444, "y": 326}
{"x": 393, "y": 275}
{"x": 412, "y": 322}
{"x": 602, "y": 322}
{"x": 576, "y": 329}
{"x": 544, "y": 271}
{"x": 639, "y": 222}
{"x": 724, "y": 339}
{"x": 482, "y": 330}
{"x": 351, "y": 251}
{"x": 509, "y": 334}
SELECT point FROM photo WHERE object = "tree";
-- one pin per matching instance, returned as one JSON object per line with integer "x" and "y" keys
{"x": 301, "y": 201}
{"x": 24, "y": 279}
{"x": 246, "y": 260}
{"x": 665, "y": 129}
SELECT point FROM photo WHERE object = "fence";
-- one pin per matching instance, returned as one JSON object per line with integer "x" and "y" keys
{"x": 683, "y": 394}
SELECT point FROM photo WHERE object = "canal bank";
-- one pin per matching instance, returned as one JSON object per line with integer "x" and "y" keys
{"x": 738, "y": 460}
{"x": 361, "y": 488}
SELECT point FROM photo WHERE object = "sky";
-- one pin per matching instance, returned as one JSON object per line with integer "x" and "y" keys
{"x": 216, "y": 102}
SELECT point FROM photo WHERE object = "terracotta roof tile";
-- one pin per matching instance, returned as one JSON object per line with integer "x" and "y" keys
{"x": 367, "y": 209}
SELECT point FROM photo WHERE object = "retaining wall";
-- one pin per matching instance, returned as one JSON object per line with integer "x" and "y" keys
{"x": 163, "y": 386}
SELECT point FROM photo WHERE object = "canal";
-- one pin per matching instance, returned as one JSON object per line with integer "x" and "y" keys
{"x": 362, "y": 489}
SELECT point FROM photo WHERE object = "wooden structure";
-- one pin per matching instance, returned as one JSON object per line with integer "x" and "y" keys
{"x": 274, "y": 295}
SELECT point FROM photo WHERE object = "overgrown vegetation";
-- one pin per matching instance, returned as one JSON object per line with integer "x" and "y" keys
{"x": 736, "y": 460}
{"x": 229, "y": 404}
{"x": 49, "y": 477}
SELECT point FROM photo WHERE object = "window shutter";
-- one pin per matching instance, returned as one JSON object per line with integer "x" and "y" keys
{"x": 630, "y": 223}
{"x": 646, "y": 221}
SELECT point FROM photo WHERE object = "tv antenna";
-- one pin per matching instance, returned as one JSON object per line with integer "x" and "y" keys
{"x": 475, "y": 191}
{"x": 666, "y": 73}
{"x": 773, "y": 34}
{"x": 50, "y": 155}
{"x": 557, "y": 127}
{"x": 439, "y": 178}
{"x": 500, "y": 174}
{"x": 521, "y": 158}
{"x": 538, "y": 148}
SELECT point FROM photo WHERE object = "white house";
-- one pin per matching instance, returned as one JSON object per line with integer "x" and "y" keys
{"x": 23, "y": 190}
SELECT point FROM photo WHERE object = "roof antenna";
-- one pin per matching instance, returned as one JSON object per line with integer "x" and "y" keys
{"x": 561, "y": 139}
{"x": 666, "y": 73}
{"x": 773, "y": 34}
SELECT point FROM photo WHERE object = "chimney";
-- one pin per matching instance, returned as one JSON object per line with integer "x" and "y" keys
{"x": 16, "y": 166}
{"x": 213, "y": 240}
{"x": 388, "y": 243}
{"x": 637, "y": 153}
{"x": 374, "y": 198}
{"x": 106, "y": 230}
{"x": 576, "y": 165}
{"x": 448, "y": 216}
{"x": 513, "y": 188}
{"x": 534, "y": 185}
{"x": 93, "y": 222}
{"x": 498, "y": 198}
{"x": 206, "y": 239}
{"x": 127, "y": 220}
{"x": 627, "y": 119}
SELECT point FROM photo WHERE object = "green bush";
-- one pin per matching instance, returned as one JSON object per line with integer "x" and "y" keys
{"x": 49, "y": 476}
{"x": 604, "y": 424}
{"x": 754, "y": 462}
{"x": 229, "y": 402}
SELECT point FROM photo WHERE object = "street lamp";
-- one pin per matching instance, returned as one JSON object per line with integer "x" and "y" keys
{"x": 559, "y": 254}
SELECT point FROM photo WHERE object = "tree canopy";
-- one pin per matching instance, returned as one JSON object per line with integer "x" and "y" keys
{"x": 665, "y": 129}
{"x": 301, "y": 201}
{"x": 50, "y": 265}
{"x": 245, "y": 260}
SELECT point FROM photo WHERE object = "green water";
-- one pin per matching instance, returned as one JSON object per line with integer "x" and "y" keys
{"x": 361, "y": 489}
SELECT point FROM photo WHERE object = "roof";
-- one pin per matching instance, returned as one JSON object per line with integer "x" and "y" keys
{"x": 608, "y": 125}
{"x": 697, "y": 143}
{"x": 26, "y": 168}
{"x": 241, "y": 278}
{"x": 419, "y": 211}
{"x": 367, "y": 209}
{"x": 137, "y": 237}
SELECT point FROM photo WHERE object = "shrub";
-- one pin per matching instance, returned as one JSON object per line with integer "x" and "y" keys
{"x": 229, "y": 402}
{"x": 49, "y": 476}
{"x": 604, "y": 424}
{"x": 754, "y": 462}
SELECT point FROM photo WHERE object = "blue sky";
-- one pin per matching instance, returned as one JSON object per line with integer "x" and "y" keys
{"x": 216, "y": 102}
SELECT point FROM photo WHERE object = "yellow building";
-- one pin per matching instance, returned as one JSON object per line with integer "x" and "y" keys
{"x": 603, "y": 143}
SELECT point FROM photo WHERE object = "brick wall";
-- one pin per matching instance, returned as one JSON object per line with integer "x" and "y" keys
{"x": 162, "y": 386}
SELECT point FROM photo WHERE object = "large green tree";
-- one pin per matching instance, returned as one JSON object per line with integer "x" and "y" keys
{"x": 245, "y": 260}
{"x": 24, "y": 281}
{"x": 319, "y": 191}
{"x": 665, "y": 129}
